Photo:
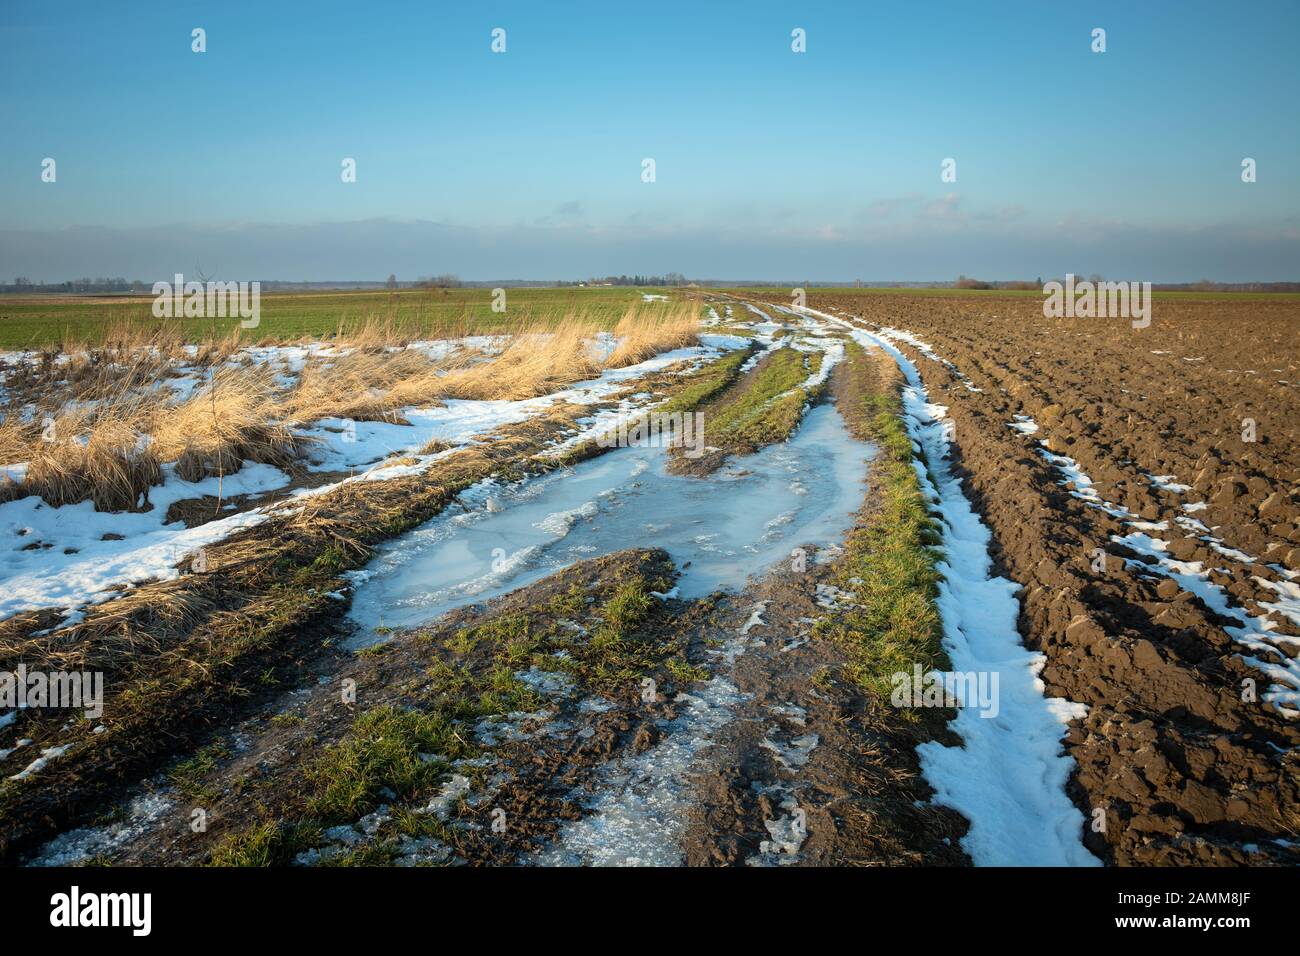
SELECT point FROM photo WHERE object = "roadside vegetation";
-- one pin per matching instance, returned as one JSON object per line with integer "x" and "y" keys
{"x": 99, "y": 425}
{"x": 889, "y": 565}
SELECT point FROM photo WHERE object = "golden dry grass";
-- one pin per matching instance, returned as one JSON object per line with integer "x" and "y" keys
{"x": 114, "y": 426}
{"x": 111, "y": 452}
{"x": 647, "y": 330}
{"x": 15, "y": 440}
{"x": 94, "y": 454}
{"x": 235, "y": 418}
{"x": 112, "y": 635}
{"x": 364, "y": 386}
{"x": 535, "y": 362}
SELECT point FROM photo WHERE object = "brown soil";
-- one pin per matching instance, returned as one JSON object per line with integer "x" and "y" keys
{"x": 1184, "y": 769}
{"x": 859, "y": 790}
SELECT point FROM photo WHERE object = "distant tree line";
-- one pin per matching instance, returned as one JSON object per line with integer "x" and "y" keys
{"x": 1204, "y": 285}
{"x": 101, "y": 284}
{"x": 965, "y": 282}
{"x": 446, "y": 281}
{"x": 669, "y": 279}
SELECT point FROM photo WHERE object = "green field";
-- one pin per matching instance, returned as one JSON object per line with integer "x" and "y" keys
{"x": 31, "y": 321}
{"x": 38, "y": 321}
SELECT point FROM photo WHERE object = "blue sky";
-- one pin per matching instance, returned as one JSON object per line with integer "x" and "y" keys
{"x": 770, "y": 164}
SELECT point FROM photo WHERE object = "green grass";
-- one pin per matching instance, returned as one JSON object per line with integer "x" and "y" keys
{"x": 187, "y": 776}
{"x": 270, "y": 843}
{"x": 707, "y": 383}
{"x": 609, "y": 656}
{"x": 625, "y": 610}
{"x": 686, "y": 673}
{"x": 889, "y": 564}
{"x": 373, "y": 854}
{"x": 37, "y": 321}
{"x": 756, "y": 416}
{"x": 382, "y": 752}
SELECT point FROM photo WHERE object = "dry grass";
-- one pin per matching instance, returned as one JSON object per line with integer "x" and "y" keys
{"x": 370, "y": 385}
{"x": 377, "y": 332}
{"x": 114, "y": 426}
{"x": 132, "y": 364}
{"x": 645, "y": 331}
{"x": 94, "y": 454}
{"x": 535, "y": 362}
{"x": 104, "y": 375}
{"x": 16, "y": 438}
{"x": 111, "y": 452}
{"x": 232, "y": 420}
{"x": 374, "y": 333}
{"x": 363, "y": 386}
{"x": 113, "y": 636}
{"x": 127, "y": 338}
{"x": 214, "y": 352}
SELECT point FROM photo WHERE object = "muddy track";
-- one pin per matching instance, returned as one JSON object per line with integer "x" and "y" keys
{"x": 815, "y": 770}
{"x": 528, "y": 764}
{"x": 522, "y": 731}
{"x": 719, "y": 731}
{"x": 186, "y": 658}
{"x": 810, "y": 771}
{"x": 1182, "y": 769}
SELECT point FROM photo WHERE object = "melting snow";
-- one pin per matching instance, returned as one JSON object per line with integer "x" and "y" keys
{"x": 1255, "y": 633}
{"x": 1009, "y": 777}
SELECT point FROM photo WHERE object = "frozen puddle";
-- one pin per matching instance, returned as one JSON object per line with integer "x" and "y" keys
{"x": 637, "y": 817}
{"x": 81, "y": 565}
{"x": 729, "y": 526}
{"x": 639, "y": 812}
